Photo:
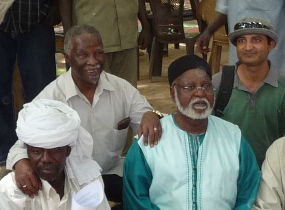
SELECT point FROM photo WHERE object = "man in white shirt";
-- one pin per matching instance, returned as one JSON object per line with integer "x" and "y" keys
{"x": 272, "y": 186}
{"x": 106, "y": 104}
{"x": 59, "y": 152}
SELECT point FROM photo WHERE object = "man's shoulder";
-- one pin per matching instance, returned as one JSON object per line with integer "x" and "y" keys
{"x": 9, "y": 188}
{"x": 278, "y": 145}
{"x": 216, "y": 79}
{"x": 117, "y": 85}
{"x": 115, "y": 80}
{"x": 219, "y": 122}
{"x": 56, "y": 89}
{"x": 281, "y": 79}
{"x": 8, "y": 181}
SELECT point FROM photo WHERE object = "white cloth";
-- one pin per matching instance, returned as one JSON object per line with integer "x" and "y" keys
{"x": 4, "y": 6}
{"x": 271, "y": 194}
{"x": 11, "y": 198}
{"x": 217, "y": 167}
{"x": 49, "y": 124}
{"x": 271, "y": 11}
{"x": 114, "y": 100}
{"x": 54, "y": 123}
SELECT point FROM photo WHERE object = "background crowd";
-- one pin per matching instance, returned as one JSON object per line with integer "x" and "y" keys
{"x": 98, "y": 94}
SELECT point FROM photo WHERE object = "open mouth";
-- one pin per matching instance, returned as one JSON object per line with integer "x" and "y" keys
{"x": 200, "y": 105}
{"x": 93, "y": 72}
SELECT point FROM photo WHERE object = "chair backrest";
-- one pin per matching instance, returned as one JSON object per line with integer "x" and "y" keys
{"x": 190, "y": 7}
{"x": 206, "y": 12}
{"x": 168, "y": 19}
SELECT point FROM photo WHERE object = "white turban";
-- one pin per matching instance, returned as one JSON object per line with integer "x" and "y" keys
{"x": 49, "y": 124}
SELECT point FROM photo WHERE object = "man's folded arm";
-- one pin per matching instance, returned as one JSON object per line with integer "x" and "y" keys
{"x": 16, "y": 153}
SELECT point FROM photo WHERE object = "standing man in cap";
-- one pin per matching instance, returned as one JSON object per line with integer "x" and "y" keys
{"x": 257, "y": 103}
{"x": 59, "y": 151}
{"x": 231, "y": 11}
{"x": 201, "y": 161}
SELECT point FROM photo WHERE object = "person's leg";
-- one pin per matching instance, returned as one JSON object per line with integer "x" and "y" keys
{"x": 123, "y": 64}
{"x": 7, "y": 117}
{"x": 114, "y": 189}
{"x": 36, "y": 60}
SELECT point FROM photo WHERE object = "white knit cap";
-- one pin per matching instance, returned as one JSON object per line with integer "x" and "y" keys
{"x": 49, "y": 124}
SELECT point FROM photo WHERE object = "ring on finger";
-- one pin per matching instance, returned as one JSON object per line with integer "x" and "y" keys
{"x": 24, "y": 186}
{"x": 155, "y": 129}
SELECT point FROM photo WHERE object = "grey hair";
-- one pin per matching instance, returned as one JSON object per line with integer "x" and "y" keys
{"x": 76, "y": 31}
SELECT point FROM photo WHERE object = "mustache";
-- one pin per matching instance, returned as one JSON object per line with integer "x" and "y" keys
{"x": 195, "y": 100}
{"x": 48, "y": 166}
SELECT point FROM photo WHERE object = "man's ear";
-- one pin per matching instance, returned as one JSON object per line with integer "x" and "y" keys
{"x": 68, "y": 151}
{"x": 272, "y": 44}
{"x": 172, "y": 93}
{"x": 66, "y": 57}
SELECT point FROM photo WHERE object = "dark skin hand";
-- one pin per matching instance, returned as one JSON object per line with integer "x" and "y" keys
{"x": 25, "y": 176}
{"x": 65, "y": 8}
{"x": 150, "y": 128}
{"x": 145, "y": 38}
{"x": 204, "y": 39}
{"x": 53, "y": 15}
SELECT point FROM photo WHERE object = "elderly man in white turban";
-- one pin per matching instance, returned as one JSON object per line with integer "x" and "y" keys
{"x": 59, "y": 151}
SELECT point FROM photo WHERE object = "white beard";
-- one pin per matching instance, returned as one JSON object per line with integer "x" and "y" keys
{"x": 190, "y": 112}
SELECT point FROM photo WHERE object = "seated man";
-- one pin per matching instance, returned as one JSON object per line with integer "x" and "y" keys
{"x": 107, "y": 106}
{"x": 201, "y": 162}
{"x": 271, "y": 194}
{"x": 59, "y": 151}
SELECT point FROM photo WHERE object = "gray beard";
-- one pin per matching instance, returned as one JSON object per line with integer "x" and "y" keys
{"x": 190, "y": 112}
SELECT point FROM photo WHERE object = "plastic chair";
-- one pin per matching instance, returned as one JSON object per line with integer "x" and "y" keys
{"x": 206, "y": 13}
{"x": 168, "y": 17}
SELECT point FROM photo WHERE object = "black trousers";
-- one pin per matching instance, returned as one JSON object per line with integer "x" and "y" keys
{"x": 114, "y": 189}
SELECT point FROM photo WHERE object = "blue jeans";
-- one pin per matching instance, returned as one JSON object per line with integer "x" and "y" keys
{"x": 35, "y": 54}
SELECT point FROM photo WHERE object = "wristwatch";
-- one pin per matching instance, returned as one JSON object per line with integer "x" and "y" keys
{"x": 158, "y": 113}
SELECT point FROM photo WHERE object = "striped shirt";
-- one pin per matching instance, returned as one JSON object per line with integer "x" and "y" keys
{"x": 23, "y": 15}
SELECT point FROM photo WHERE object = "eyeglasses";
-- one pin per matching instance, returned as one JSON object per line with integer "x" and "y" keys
{"x": 208, "y": 89}
{"x": 250, "y": 25}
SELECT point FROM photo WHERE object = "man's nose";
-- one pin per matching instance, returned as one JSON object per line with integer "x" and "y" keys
{"x": 248, "y": 45}
{"x": 92, "y": 60}
{"x": 199, "y": 91}
{"x": 46, "y": 157}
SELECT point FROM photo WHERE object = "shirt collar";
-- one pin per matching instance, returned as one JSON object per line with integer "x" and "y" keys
{"x": 49, "y": 191}
{"x": 72, "y": 90}
{"x": 271, "y": 78}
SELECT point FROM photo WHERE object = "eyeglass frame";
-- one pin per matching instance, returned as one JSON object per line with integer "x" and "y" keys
{"x": 196, "y": 88}
{"x": 252, "y": 24}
